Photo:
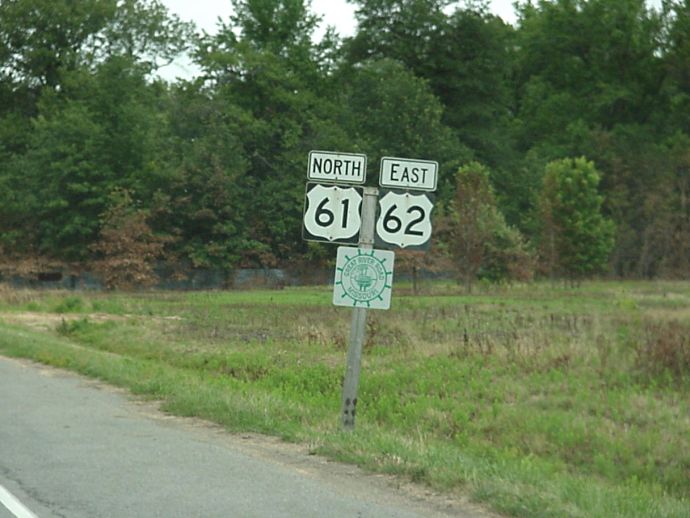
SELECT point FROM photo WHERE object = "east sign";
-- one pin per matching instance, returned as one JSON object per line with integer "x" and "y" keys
{"x": 405, "y": 173}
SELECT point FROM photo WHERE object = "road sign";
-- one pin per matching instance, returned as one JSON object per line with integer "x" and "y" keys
{"x": 329, "y": 166}
{"x": 404, "y": 219}
{"x": 332, "y": 213}
{"x": 405, "y": 173}
{"x": 363, "y": 278}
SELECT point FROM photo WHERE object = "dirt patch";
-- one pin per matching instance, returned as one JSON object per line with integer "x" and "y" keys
{"x": 49, "y": 321}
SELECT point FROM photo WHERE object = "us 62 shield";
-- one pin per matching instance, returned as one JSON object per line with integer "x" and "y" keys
{"x": 404, "y": 220}
{"x": 332, "y": 213}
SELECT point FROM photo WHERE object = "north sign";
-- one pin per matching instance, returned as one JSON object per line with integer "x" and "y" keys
{"x": 332, "y": 167}
{"x": 405, "y": 173}
{"x": 332, "y": 213}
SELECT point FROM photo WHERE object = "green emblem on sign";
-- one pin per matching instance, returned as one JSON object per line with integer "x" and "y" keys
{"x": 363, "y": 277}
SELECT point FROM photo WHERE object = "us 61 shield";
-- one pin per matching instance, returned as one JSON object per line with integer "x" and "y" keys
{"x": 332, "y": 214}
{"x": 404, "y": 220}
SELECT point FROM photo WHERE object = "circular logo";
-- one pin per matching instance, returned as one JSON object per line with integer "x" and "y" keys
{"x": 363, "y": 277}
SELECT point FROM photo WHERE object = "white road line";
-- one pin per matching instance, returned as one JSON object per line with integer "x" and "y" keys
{"x": 15, "y": 506}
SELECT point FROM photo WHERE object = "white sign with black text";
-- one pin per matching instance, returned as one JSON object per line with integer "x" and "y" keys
{"x": 405, "y": 173}
{"x": 332, "y": 167}
{"x": 332, "y": 213}
{"x": 404, "y": 219}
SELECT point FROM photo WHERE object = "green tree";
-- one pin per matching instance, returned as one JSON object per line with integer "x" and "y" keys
{"x": 466, "y": 58}
{"x": 576, "y": 238}
{"x": 264, "y": 65}
{"x": 83, "y": 115}
{"x": 391, "y": 112}
{"x": 102, "y": 131}
{"x": 203, "y": 204}
{"x": 404, "y": 30}
{"x": 42, "y": 40}
{"x": 676, "y": 57}
{"x": 665, "y": 243}
{"x": 598, "y": 60}
{"x": 472, "y": 63}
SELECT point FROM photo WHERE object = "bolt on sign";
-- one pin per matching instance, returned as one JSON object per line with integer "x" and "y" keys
{"x": 363, "y": 278}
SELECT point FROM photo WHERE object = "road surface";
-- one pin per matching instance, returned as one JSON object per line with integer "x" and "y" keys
{"x": 72, "y": 447}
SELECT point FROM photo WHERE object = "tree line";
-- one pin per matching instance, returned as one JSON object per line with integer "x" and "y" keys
{"x": 563, "y": 141}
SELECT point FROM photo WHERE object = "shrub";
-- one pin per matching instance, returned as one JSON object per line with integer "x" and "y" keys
{"x": 127, "y": 246}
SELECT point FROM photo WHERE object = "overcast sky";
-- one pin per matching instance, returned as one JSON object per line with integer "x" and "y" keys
{"x": 338, "y": 13}
{"x": 335, "y": 12}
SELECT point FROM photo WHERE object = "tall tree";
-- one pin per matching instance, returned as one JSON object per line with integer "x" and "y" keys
{"x": 99, "y": 133}
{"x": 466, "y": 58}
{"x": 393, "y": 113}
{"x": 264, "y": 64}
{"x": 204, "y": 205}
{"x": 40, "y": 40}
{"x": 594, "y": 60}
{"x": 472, "y": 219}
{"x": 405, "y": 30}
{"x": 676, "y": 57}
{"x": 576, "y": 238}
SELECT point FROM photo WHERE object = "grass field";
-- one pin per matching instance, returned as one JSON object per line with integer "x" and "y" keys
{"x": 535, "y": 399}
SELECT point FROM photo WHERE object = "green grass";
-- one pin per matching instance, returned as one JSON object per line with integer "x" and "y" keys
{"x": 535, "y": 399}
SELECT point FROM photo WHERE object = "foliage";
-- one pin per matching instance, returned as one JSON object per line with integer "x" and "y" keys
{"x": 576, "y": 238}
{"x": 76, "y": 76}
{"x": 268, "y": 85}
{"x": 394, "y": 113}
{"x": 508, "y": 255}
{"x": 218, "y": 160}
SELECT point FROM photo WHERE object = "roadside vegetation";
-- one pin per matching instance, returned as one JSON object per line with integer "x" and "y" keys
{"x": 535, "y": 399}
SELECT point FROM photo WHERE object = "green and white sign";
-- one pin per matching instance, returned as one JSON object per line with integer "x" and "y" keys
{"x": 363, "y": 278}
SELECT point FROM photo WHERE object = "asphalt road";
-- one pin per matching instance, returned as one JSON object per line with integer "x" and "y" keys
{"x": 71, "y": 447}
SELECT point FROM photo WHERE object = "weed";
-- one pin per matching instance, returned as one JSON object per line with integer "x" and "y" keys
{"x": 72, "y": 327}
{"x": 664, "y": 348}
{"x": 16, "y": 297}
{"x": 69, "y": 304}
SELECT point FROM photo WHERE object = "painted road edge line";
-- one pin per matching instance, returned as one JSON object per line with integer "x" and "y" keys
{"x": 15, "y": 506}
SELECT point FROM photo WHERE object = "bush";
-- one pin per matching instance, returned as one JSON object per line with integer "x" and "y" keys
{"x": 507, "y": 256}
{"x": 480, "y": 242}
{"x": 127, "y": 247}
